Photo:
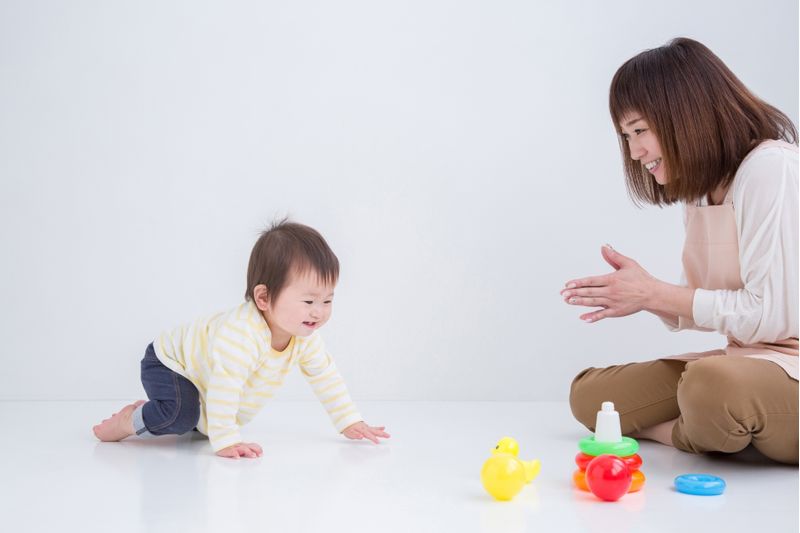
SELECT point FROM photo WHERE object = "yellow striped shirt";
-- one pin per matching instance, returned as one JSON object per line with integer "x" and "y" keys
{"x": 228, "y": 357}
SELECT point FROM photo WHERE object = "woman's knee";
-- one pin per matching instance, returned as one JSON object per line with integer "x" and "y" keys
{"x": 582, "y": 397}
{"x": 710, "y": 397}
{"x": 728, "y": 402}
{"x": 707, "y": 384}
{"x": 643, "y": 393}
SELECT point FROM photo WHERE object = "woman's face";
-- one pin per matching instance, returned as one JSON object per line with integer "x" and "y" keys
{"x": 643, "y": 145}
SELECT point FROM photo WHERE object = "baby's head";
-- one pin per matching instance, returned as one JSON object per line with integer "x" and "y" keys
{"x": 291, "y": 277}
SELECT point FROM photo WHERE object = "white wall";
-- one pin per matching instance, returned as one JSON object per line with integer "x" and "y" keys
{"x": 458, "y": 156}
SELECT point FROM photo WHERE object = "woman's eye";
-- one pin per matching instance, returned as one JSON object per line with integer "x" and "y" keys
{"x": 639, "y": 132}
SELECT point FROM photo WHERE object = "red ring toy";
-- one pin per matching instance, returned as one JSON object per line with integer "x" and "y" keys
{"x": 634, "y": 462}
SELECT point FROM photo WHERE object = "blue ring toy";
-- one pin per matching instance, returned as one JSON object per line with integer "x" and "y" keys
{"x": 700, "y": 484}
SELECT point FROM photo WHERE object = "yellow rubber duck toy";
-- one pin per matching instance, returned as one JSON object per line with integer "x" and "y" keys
{"x": 503, "y": 474}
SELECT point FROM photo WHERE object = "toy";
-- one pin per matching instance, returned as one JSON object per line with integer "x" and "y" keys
{"x": 608, "y": 477}
{"x": 503, "y": 475}
{"x": 511, "y": 446}
{"x": 700, "y": 484}
{"x": 608, "y": 440}
{"x": 607, "y": 436}
{"x": 632, "y": 461}
{"x": 591, "y": 446}
{"x": 637, "y": 480}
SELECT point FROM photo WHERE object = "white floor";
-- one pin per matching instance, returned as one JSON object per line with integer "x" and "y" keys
{"x": 56, "y": 477}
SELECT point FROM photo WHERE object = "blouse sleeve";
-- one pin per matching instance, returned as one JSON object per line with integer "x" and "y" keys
{"x": 765, "y": 199}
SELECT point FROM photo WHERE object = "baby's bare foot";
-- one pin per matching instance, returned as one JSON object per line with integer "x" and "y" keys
{"x": 119, "y": 426}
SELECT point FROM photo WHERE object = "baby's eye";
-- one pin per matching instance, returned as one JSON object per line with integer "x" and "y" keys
{"x": 327, "y": 302}
{"x": 309, "y": 302}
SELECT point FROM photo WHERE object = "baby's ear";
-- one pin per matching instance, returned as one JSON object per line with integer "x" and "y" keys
{"x": 261, "y": 297}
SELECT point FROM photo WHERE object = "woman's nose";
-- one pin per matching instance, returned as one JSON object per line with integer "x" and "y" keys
{"x": 637, "y": 151}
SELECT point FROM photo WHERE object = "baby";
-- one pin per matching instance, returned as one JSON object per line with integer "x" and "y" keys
{"x": 216, "y": 373}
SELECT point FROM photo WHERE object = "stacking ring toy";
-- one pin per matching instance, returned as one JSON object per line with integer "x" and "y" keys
{"x": 637, "y": 480}
{"x": 700, "y": 484}
{"x": 589, "y": 446}
{"x": 579, "y": 478}
{"x": 634, "y": 461}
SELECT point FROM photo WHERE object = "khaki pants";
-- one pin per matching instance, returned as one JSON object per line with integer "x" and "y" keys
{"x": 722, "y": 403}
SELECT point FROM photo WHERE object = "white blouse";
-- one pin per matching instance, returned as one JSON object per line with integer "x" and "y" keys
{"x": 764, "y": 193}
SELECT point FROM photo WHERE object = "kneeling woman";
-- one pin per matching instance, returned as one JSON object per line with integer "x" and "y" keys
{"x": 691, "y": 132}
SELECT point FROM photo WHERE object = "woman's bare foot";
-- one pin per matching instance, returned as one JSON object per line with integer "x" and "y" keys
{"x": 119, "y": 426}
{"x": 660, "y": 432}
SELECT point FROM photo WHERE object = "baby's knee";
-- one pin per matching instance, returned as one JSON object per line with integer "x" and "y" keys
{"x": 188, "y": 417}
{"x": 172, "y": 417}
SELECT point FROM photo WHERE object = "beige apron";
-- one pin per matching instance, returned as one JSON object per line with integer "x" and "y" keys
{"x": 711, "y": 261}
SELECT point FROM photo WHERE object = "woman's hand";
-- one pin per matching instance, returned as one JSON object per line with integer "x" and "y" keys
{"x": 624, "y": 292}
{"x": 360, "y": 430}
{"x": 242, "y": 449}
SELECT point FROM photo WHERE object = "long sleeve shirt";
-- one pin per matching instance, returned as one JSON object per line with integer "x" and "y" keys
{"x": 229, "y": 358}
{"x": 764, "y": 194}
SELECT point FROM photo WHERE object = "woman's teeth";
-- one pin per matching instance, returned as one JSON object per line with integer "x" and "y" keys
{"x": 652, "y": 164}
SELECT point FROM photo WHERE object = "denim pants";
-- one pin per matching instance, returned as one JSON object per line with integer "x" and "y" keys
{"x": 174, "y": 406}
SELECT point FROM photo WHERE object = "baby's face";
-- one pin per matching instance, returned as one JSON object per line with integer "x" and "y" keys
{"x": 304, "y": 305}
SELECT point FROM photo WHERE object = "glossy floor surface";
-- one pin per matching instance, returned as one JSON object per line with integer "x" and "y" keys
{"x": 57, "y": 477}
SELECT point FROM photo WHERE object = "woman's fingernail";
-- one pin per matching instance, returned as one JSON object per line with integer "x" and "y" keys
{"x": 609, "y": 246}
{"x": 573, "y": 300}
{"x": 587, "y": 319}
{"x": 570, "y": 285}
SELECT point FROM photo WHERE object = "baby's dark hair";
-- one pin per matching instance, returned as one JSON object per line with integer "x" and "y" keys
{"x": 289, "y": 248}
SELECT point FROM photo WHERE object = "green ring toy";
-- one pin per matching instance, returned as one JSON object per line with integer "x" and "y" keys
{"x": 627, "y": 447}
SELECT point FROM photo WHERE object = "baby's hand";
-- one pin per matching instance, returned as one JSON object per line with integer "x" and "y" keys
{"x": 360, "y": 430}
{"x": 243, "y": 449}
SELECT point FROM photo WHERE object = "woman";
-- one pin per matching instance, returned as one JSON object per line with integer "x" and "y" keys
{"x": 691, "y": 132}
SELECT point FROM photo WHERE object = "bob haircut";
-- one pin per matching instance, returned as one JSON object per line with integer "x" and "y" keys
{"x": 705, "y": 119}
{"x": 288, "y": 248}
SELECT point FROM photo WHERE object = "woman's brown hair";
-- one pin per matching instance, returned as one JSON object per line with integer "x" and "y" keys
{"x": 289, "y": 248}
{"x": 705, "y": 119}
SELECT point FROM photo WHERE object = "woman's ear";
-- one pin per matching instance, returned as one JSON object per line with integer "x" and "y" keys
{"x": 261, "y": 297}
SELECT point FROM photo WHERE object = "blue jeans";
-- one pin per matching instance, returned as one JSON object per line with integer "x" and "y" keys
{"x": 174, "y": 406}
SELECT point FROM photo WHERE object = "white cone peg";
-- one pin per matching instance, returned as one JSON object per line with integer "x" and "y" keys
{"x": 607, "y": 428}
